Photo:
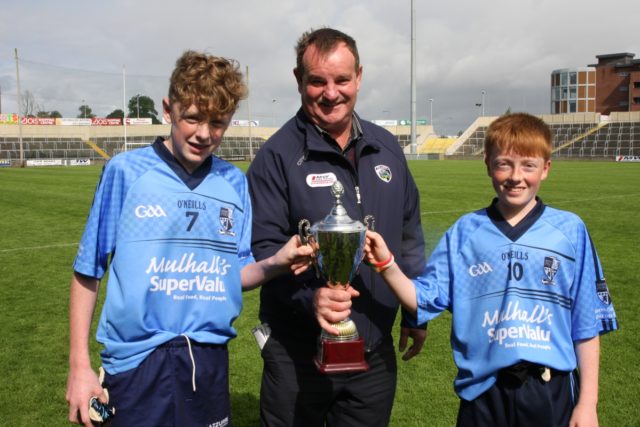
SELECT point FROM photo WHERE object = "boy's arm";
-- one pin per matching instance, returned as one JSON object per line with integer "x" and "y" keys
{"x": 293, "y": 256}
{"x": 82, "y": 382}
{"x": 378, "y": 255}
{"x": 403, "y": 287}
{"x": 585, "y": 412}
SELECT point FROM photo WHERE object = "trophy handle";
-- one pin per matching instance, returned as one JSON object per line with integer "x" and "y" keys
{"x": 303, "y": 231}
{"x": 306, "y": 238}
{"x": 370, "y": 222}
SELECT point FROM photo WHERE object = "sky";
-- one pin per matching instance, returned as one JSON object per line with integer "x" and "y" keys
{"x": 101, "y": 53}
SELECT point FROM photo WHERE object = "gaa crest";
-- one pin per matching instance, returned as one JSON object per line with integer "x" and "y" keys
{"x": 226, "y": 221}
{"x": 551, "y": 266}
{"x": 603, "y": 292}
{"x": 384, "y": 172}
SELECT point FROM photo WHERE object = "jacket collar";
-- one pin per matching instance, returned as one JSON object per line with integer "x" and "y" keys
{"x": 314, "y": 140}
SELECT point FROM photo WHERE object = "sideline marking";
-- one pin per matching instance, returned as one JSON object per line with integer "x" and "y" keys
{"x": 617, "y": 196}
{"x": 26, "y": 248}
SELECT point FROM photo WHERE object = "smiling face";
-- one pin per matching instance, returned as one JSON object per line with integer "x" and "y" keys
{"x": 194, "y": 136}
{"x": 328, "y": 86}
{"x": 516, "y": 179}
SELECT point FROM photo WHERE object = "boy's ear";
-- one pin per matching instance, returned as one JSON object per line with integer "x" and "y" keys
{"x": 166, "y": 109}
{"x": 546, "y": 169}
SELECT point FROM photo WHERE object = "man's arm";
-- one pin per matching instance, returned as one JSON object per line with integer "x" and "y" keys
{"x": 82, "y": 382}
{"x": 588, "y": 354}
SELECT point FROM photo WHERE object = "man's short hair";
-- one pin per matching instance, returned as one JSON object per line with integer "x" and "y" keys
{"x": 519, "y": 133}
{"x": 211, "y": 83}
{"x": 325, "y": 40}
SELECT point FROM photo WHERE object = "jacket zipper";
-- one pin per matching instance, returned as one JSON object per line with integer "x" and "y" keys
{"x": 354, "y": 182}
{"x": 356, "y": 186}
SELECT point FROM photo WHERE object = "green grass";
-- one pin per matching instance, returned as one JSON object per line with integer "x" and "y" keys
{"x": 43, "y": 213}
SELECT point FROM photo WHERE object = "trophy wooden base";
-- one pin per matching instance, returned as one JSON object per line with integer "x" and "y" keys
{"x": 340, "y": 356}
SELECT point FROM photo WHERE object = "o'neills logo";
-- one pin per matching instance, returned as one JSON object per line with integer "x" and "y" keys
{"x": 321, "y": 179}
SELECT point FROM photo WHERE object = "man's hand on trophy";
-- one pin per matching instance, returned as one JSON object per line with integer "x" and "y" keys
{"x": 333, "y": 305}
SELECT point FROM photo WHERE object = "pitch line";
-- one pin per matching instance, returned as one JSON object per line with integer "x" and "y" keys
{"x": 592, "y": 199}
{"x": 27, "y": 248}
{"x": 63, "y": 245}
{"x": 617, "y": 196}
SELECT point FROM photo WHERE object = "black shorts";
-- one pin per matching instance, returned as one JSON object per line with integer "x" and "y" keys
{"x": 522, "y": 398}
{"x": 160, "y": 391}
{"x": 294, "y": 393}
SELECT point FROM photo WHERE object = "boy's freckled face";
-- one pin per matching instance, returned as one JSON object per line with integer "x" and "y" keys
{"x": 516, "y": 180}
{"x": 194, "y": 137}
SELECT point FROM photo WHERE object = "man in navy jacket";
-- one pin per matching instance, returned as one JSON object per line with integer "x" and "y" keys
{"x": 290, "y": 179}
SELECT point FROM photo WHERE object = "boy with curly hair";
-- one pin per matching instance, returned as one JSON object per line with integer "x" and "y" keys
{"x": 171, "y": 223}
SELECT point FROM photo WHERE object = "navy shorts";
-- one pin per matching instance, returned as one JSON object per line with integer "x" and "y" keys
{"x": 160, "y": 392}
{"x": 523, "y": 399}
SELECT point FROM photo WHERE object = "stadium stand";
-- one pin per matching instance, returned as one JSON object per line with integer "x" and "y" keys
{"x": 436, "y": 145}
{"x": 97, "y": 143}
{"x": 46, "y": 148}
{"x": 578, "y": 135}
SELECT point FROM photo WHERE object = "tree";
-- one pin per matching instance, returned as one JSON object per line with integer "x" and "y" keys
{"x": 85, "y": 112}
{"x": 55, "y": 114}
{"x": 116, "y": 114}
{"x": 141, "y": 106}
{"x": 28, "y": 104}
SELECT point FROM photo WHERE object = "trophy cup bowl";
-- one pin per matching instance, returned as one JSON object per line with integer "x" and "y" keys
{"x": 340, "y": 242}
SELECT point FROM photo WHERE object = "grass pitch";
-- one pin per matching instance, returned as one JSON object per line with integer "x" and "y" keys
{"x": 43, "y": 214}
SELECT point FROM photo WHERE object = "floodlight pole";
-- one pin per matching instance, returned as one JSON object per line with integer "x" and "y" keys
{"x": 124, "y": 106}
{"x": 413, "y": 79}
{"x": 273, "y": 112}
{"x": 19, "y": 106}
{"x": 431, "y": 111}
{"x": 249, "y": 116}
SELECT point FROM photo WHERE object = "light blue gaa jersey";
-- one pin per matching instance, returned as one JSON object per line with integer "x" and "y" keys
{"x": 523, "y": 293}
{"x": 176, "y": 252}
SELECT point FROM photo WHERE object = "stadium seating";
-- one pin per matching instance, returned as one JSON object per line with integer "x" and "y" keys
{"x": 45, "y": 148}
{"x": 435, "y": 145}
{"x": 574, "y": 136}
{"x": 232, "y": 148}
{"x": 581, "y": 135}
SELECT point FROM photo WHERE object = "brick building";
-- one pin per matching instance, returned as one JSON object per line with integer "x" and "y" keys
{"x": 612, "y": 84}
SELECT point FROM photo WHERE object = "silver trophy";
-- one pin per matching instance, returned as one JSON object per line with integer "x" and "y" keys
{"x": 340, "y": 242}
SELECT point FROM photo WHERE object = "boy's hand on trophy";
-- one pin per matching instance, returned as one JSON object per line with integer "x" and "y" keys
{"x": 375, "y": 249}
{"x": 296, "y": 255}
